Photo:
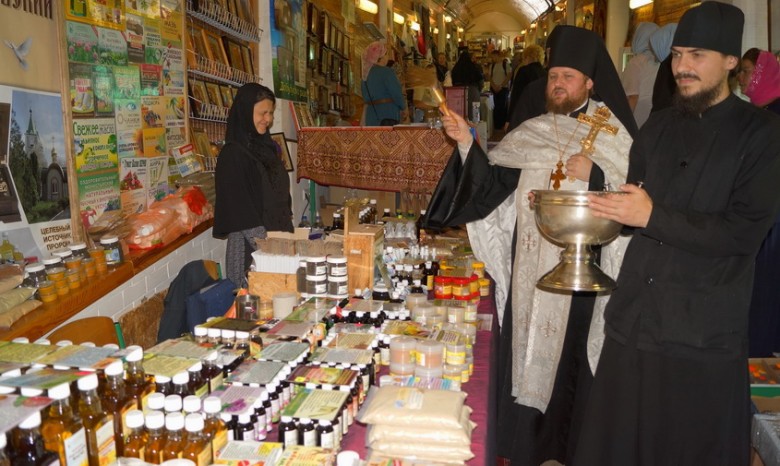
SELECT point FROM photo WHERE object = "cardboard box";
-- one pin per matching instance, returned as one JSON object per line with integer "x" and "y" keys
{"x": 247, "y": 453}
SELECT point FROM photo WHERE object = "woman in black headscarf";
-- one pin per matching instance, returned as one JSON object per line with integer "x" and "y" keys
{"x": 253, "y": 188}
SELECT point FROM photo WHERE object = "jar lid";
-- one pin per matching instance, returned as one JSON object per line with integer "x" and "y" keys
{"x": 51, "y": 260}
{"x": 302, "y": 263}
{"x": 77, "y": 246}
{"x": 337, "y": 279}
{"x": 477, "y": 265}
{"x": 315, "y": 259}
{"x": 337, "y": 260}
{"x": 34, "y": 267}
{"x": 315, "y": 278}
{"x": 484, "y": 282}
{"x": 62, "y": 253}
{"x": 109, "y": 240}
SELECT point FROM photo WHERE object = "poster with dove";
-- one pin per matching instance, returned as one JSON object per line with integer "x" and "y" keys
{"x": 27, "y": 44}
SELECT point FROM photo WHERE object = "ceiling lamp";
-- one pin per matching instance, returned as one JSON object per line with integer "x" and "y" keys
{"x": 522, "y": 33}
{"x": 460, "y": 29}
{"x": 368, "y": 6}
{"x": 447, "y": 18}
{"x": 533, "y": 25}
{"x": 633, "y": 4}
{"x": 415, "y": 26}
{"x": 449, "y": 36}
{"x": 435, "y": 30}
{"x": 398, "y": 19}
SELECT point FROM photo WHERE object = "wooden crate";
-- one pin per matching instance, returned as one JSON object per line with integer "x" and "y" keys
{"x": 266, "y": 284}
{"x": 362, "y": 247}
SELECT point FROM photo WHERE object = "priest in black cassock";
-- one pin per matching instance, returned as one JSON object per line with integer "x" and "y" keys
{"x": 672, "y": 382}
{"x": 550, "y": 341}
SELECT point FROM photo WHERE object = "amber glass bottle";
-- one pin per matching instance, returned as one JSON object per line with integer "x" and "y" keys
{"x": 27, "y": 444}
{"x": 118, "y": 401}
{"x": 197, "y": 448}
{"x": 214, "y": 427}
{"x": 99, "y": 425}
{"x": 62, "y": 430}
{"x": 135, "y": 442}
{"x": 174, "y": 436}
{"x": 138, "y": 384}
{"x": 155, "y": 429}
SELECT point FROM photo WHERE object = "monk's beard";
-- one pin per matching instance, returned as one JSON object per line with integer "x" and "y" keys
{"x": 695, "y": 104}
{"x": 567, "y": 105}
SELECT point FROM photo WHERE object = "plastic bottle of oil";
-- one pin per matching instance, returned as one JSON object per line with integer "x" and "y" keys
{"x": 155, "y": 430}
{"x": 117, "y": 401}
{"x": 213, "y": 426}
{"x": 27, "y": 444}
{"x": 138, "y": 384}
{"x": 62, "y": 430}
{"x": 135, "y": 442}
{"x": 99, "y": 425}
{"x": 198, "y": 448}
{"x": 174, "y": 436}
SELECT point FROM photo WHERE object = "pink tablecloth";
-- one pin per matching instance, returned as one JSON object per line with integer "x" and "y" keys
{"x": 481, "y": 390}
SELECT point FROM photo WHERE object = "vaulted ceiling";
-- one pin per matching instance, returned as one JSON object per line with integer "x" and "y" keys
{"x": 498, "y": 15}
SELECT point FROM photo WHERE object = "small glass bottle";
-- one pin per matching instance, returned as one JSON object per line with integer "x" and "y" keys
{"x": 200, "y": 334}
{"x": 261, "y": 429}
{"x": 276, "y": 407}
{"x": 191, "y": 404}
{"x": 326, "y": 437}
{"x": 62, "y": 430}
{"x": 307, "y": 434}
{"x": 245, "y": 429}
{"x": 214, "y": 336}
{"x": 155, "y": 402}
{"x": 196, "y": 384}
{"x": 181, "y": 384}
{"x": 138, "y": 384}
{"x": 99, "y": 425}
{"x": 173, "y": 404}
{"x": 214, "y": 427}
{"x": 174, "y": 436}
{"x": 197, "y": 448}
{"x": 117, "y": 401}
{"x": 242, "y": 343}
{"x": 135, "y": 441}
{"x": 211, "y": 372}
{"x": 288, "y": 432}
{"x": 162, "y": 384}
{"x": 28, "y": 446}
{"x": 155, "y": 429}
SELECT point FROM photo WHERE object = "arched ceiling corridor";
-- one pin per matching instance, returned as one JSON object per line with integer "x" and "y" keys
{"x": 497, "y": 15}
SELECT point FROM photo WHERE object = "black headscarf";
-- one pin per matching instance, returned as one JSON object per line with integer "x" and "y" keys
{"x": 584, "y": 50}
{"x": 712, "y": 26}
{"x": 240, "y": 124}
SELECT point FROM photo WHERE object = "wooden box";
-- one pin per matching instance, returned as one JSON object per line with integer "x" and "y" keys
{"x": 362, "y": 248}
{"x": 266, "y": 284}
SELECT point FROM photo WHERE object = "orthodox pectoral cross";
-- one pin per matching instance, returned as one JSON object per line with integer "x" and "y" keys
{"x": 597, "y": 122}
{"x": 557, "y": 176}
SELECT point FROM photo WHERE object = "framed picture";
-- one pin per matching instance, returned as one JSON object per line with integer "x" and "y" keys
{"x": 215, "y": 96}
{"x": 233, "y": 49}
{"x": 332, "y": 35}
{"x": 198, "y": 42}
{"x": 339, "y": 39}
{"x": 344, "y": 73}
{"x": 325, "y": 29}
{"x": 245, "y": 10}
{"x": 335, "y": 67}
{"x": 234, "y": 92}
{"x": 214, "y": 48}
{"x": 246, "y": 55}
{"x": 201, "y": 141}
{"x": 227, "y": 95}
{"x": 296, "y": 113}
{"x": 313, "y": 19}
{"x": 324, "y": 61}
{"x": 284, "y": 152}
{"x": 199, "y": 95}
{"x": 345, "y": 47}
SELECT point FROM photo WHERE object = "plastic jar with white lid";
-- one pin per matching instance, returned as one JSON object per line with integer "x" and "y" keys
{"x": 337, "y": 266}
{"x": 113, "y": 250}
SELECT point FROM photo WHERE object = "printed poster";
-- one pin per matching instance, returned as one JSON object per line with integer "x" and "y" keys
{"x": 28, "y": 49}
{"x": 147, "y": 8}
{"x": 135, "y": 38}
{"x": 129, "y": 131}
{"x": 82, "y": 42}
{"x": 106, "y": 13}
{"x": 97, "y": 194}
{"x": 153, "y": 142}
{"x": 112, "y": 47}
{"x": 142, "y": 181}
{"x": 288, "y": 50}
{"x": 94, "y": 145}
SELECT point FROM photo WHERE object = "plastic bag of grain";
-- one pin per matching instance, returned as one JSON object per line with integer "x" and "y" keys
{"x": 409, "y": 406}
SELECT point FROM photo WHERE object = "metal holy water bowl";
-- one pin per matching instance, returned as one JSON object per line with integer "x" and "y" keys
{"x": 564, "y": 218}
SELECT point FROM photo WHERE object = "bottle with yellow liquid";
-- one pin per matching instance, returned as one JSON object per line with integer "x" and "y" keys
{"x": 198, "y": 448}
{"x": 6, "y": 249}
{"x": 214, "y": 427}
{"x": 27, "y": 444}
{"x": 138, "y": 384}
{"x": 155, "y": 430}
{"x": 63, "y": 431}
{"x": 117, "y": 401}
{"x": 135, "y": 442}
{"x": 174, "y": 436}
{"x": 99, "y": 425}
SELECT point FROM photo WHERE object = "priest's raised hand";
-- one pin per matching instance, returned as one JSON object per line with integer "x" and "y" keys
{"x": 458, "y": 129}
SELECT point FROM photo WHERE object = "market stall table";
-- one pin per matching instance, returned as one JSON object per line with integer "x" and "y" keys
{"x": 398, "y": 158}
{"x": 481, "y": 390}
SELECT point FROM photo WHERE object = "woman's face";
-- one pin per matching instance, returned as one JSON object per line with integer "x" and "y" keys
{"x": 745, "y": 74}
{"x": 263, "y": 116}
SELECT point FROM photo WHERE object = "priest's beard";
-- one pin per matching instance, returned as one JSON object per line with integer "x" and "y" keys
{"x": 571, "y": 103}
{"x": 696, "y": 104}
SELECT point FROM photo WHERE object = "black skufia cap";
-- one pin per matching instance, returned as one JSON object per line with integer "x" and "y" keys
{"x": 713, "y": 26}
{"x": 584, "y": 50}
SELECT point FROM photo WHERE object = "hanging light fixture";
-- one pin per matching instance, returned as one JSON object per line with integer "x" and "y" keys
{"x": 415, "y": 26}
{"x": 368, "y": 6}
{"x": 447, "y": 18}
{"x": 398, "y": 19}
{"x": 634, "y": 4}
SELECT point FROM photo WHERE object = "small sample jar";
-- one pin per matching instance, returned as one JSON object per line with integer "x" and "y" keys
{"x": 484, "y": 287}
{"x": 380, "y": 292}
{"x": 478, "y": 268}
{"x": 453, "y": 373}
{"x": 337, "y": 285}
{"x": 402, "y": 369}
{"x": 97, "y": 253}
{"x": 112, "y": 250}
{"x": 474, "y": 284}
{"x": 442, "y": 287}
{"x": 36, "y": 273}
{"x": 63, "y": 253}
{"x": 62, "y": 286}
{"x": 415, "y": 299}
{"x": 52, "y": 262}
{"x": 465, "y": 375}
{"x": 456, "y": 314}
{"x": 435, "y": 322}
{"x": 429, "y": 354}
{"x": 56, "y": 273}
{"x": 79, "y": 250}
{"x": 470, "y": 312}
{"x": 88, "y": 264}
{"x": 460, "y": 287}
{"x": 428, "y": 372}
{"x": 423, "y": 312}
{"x": 316, "y": 285}
{"x": 402, "y": 352}
{"x": 316, "y": 266}
{"x": 456, "y": 353}
{"x": 300, "y": 277}
{"x": 47, "y": 292}
{"x": 74, "y": 279}
{"x": 337, "y": 266}
{"x": 72, "y": 263}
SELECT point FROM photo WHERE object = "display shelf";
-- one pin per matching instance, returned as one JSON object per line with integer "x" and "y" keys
{"x": 214, "y": 15}
{"x": 209, "y": 112}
